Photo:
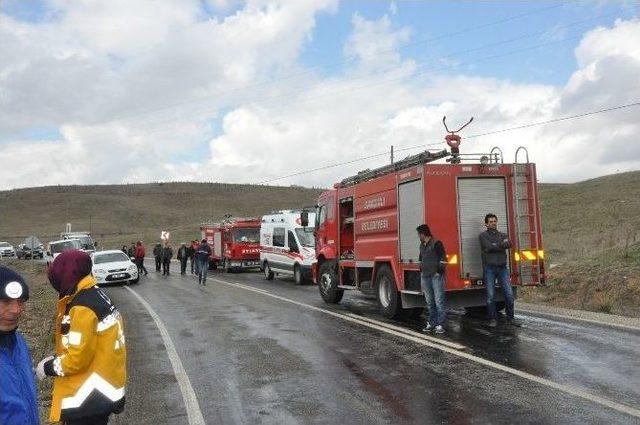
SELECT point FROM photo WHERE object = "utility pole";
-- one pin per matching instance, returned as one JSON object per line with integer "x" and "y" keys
{"x": 392, "y": 154}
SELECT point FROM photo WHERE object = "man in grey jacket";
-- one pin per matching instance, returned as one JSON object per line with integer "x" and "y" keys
{"x": 494, "y": 245}
{"x": 433, "y": 261}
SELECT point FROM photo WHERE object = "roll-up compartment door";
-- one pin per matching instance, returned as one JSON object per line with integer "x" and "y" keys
{"x": 411, "y": 215}
{"x": 478, "y": 196}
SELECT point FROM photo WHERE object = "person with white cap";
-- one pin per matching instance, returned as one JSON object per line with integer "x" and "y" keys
{"x": 18, "y": 398}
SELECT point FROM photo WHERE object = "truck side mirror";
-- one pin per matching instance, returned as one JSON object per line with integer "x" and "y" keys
{"x": 304, "y": 219}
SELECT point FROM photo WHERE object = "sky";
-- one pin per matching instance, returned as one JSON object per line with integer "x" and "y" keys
{"x": 137, "y": 91}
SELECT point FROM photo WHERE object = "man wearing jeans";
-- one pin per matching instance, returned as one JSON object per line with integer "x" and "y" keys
{"x": 494, "y": 245}
{"x": 433, "y": 261}
{"x": 202, "y": 254}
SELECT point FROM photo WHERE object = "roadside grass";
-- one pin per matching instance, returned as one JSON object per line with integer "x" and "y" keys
{"x": 37, "y": 322}
{"x": 605, "y": 282}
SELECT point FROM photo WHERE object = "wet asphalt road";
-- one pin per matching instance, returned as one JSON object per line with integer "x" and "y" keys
{"x": 252, "y": 359}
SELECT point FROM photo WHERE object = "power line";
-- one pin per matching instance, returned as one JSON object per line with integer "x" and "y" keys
{"x": 534, "y": 124}
{"x": 571, "y": 117}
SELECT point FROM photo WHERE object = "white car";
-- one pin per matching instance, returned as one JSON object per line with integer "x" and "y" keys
{"x": 7, "y": 250}
{"x": 114, "y": 266}
{"x": 54, "y": 248}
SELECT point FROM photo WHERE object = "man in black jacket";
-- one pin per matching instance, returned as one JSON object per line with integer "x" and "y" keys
{"x": 157, "y": 253}
{"x": 183, "y": 255}
{"x": 494, "y": 245}
{"x": 202, "y": 255}
{"x": 167, "y": 254}
{"x": 433, "y": 261}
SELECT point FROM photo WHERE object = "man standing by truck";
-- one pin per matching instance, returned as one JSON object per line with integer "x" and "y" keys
{"x": 433, "y": 262}
{"x": 494, "y": 245}
{"x": 202, "y": 255}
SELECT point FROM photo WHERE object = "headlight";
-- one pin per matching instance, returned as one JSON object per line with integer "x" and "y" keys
{"x": 99, "y": 271}
{"x": 133, "y": 267}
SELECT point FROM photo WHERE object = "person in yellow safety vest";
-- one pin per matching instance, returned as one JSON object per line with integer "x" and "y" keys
{"x": 89, "y": 367}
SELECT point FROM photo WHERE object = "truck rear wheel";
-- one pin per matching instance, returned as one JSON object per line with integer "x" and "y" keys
{"x": 388, "y": 296}
{"x": 268, "y": 273}
{"x": 328, "y": 284}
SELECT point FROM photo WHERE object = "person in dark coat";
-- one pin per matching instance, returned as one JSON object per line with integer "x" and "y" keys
{"x": 194, "y": 262}
{"x": 167, "y": 254}
{"x": 18, "y": 398}
{"x": 131, "y": 252}
{"x": 191, "y": 254}
{"x": 183, "y": 256}
{"x": 157, "y": 253}
{"x": 124, "y": 249}
{"x": 433, "y": 262}
{"x": 203, "y": 253}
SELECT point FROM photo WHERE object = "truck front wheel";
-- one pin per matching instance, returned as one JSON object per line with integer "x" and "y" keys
{"x": 388, "y": 297}
{"x": 328, "y": 284}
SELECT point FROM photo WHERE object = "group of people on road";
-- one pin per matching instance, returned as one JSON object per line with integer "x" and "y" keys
{"x": 196, "y": 253}
{"x": 433, "y": 260}
{"x": 88, "y": 366}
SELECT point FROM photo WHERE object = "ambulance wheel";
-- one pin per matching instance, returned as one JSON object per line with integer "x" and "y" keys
{"x": 388, "y": 296}
{"x": 328, "y": 284}
{"x": 297, "y": 275}
{"x": 268, "y": 274}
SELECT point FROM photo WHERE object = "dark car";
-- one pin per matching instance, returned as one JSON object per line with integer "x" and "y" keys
{"x": 23, "y": 251}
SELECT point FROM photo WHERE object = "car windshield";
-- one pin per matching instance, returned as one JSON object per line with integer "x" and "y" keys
{"x": 246, "y": 235}
{"x": 59, "y": 247}
{"x": 4, "y": 245}
{"x": 110, "y": 257}
{"x": 305, "y": 236}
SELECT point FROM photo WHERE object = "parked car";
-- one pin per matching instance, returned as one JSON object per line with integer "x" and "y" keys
{"x": 7, "y": 250}
{"x": 114, "y": 266}
{"x": 54, "y": 248}
{"x": 24, "y": 251}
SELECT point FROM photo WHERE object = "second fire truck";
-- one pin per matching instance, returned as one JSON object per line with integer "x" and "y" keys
{"x": 235, "y": 243}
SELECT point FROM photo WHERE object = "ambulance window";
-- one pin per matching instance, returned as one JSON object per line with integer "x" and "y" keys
{"x": 293, "y": 245}
{"x": 278, "y": 236}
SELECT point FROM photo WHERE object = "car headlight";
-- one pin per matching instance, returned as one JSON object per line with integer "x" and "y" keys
{"x": 99, "y": 272}
{"x": 133, "y": 268}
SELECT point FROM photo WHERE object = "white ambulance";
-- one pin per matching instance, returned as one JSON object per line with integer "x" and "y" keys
{"x": 287, "y": 244}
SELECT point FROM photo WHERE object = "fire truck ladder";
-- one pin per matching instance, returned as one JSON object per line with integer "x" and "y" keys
{"x": 421, "y": 158}
{"x": 527, "y": 249}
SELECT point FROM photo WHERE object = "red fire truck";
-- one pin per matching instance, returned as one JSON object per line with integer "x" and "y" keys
{"x": 366, "y": 235}
{"x": 235, "y": 243}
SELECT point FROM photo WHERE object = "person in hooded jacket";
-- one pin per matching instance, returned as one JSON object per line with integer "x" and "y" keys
{"x": 157, "y": 253}
{"x": 89, "y": 365}
{"x": 139, "y": 254}
{"x": 167, "y": 255}
{"x": 18, "y": 398}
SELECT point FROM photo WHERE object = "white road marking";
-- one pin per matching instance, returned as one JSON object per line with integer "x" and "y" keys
{"x": 441, "y": 341}
{"x": 194, "y": 415}
{"x": 578, "y": 319}
{"x": 568, "y": 389}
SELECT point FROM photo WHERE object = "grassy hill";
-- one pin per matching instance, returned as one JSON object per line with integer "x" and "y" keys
{"x": 592, "y": 242}
{"x": 591, "y": 228}
{"x": 120, "y": 214}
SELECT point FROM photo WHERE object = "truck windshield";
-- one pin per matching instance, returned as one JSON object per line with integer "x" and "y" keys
{"x": 305, "y": 236}
{"x": 246, "y": 235}
{"x": 86, "y": 241}
{"x": 59, "y": 247}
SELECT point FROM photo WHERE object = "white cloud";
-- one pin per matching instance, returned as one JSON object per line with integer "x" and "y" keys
{"x": 82, "y": 73}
